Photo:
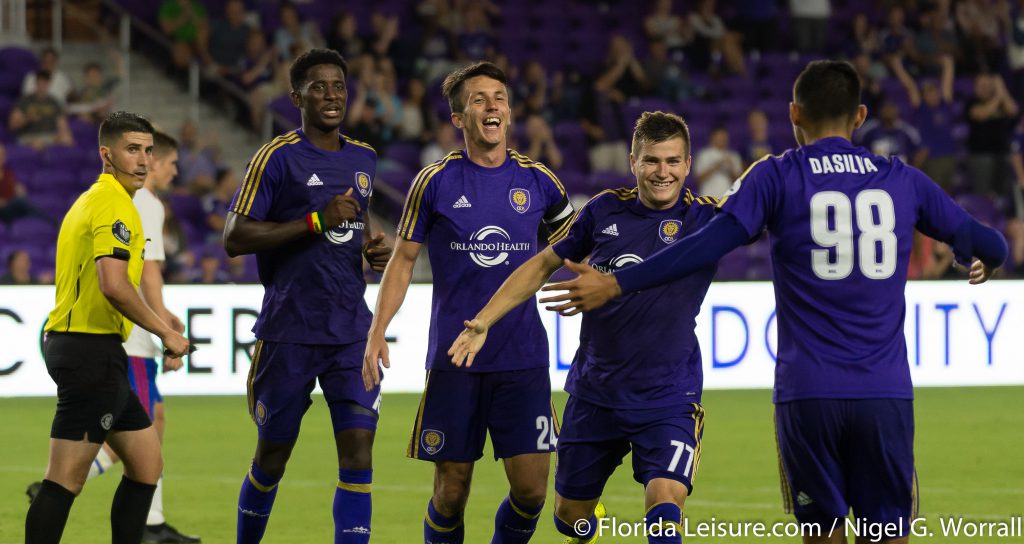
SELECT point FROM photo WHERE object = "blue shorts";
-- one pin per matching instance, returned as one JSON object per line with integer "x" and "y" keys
{"x": 665, "y": 444}
{"x": 282, "y": 376}
{"x": 459, "y": 408}
{"x": 838, "y": 454}
{"x": 142, "y": 378}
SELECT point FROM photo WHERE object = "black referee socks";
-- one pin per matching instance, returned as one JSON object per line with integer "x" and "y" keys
{"x": 128, "y": 511}
{"x": 48, "y": 514}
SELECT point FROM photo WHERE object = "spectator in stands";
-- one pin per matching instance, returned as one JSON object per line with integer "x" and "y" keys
{"x": 990, "y": 116}
{"x": 256, "y": 75}
{"x": 344, "y": 36}
{"x": 416, "y": 122}
{"x": 475, "y": 38}
{"x": 211, "y": 268}
{"x": 664, "y": 26}
{"x": 982, "y": 24}
{"x": 95, "y": 97}
{"x": 178, "y": 258}
{"x": 434, "y": 50}
{"x": 665, "y": 77}
{"x": 1015, "y": 50}
{"x": 215, "y": 204}
{"x": 374, "y": 112}
{"x": 935, "y": 41}
{"x": 810, "y": 24}
{"x": 541, "y": 145}
{"x": 185, "y": 23}
{"x": 19, "y": 269}
{"x": 757, "y": 144}
{"x": 871, "y": 75}
{"x": 863, "y": 36}
{"x": 1015, "y": 224}
{"x": 445, "y": 141}
{"x": 622, "y": 77}
{"x": 713, "y": 42}
{"x": 717, "y": 166}
{"x": 383, "y": 35}
{"x": 60, "y": 87}
{"x": 531, "y": 92}
{"x": 934, "y": 117}
{"x": 228, "y": 40}
{"x": 196, "y": 168}
{"x": 14, "y": 202}
{"x": 889, "y": 136}
{"x": 895, "y": 38}
{"x": 304, "y": 35}
{"x": 38, "y": 118}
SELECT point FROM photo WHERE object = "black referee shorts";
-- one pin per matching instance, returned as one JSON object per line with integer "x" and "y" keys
{"x": 93, "y": 394}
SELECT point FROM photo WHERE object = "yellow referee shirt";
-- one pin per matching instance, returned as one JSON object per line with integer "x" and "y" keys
{"x": 103, "y": 222}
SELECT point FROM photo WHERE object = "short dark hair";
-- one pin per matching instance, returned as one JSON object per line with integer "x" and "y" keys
{"x": 163, "y": 143}
{"x": 657, "y": 126}
{"x": 92, "y": 66}
{"x": 452, "y": 86}
{"x": 119, "y": 122}
{"x": 311, "y": 58}
{"x": 828, "y": 90}
{"x": 43, "y": 74}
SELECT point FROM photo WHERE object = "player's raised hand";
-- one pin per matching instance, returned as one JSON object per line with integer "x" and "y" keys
{"x": 979, "y": 273}
{"x": 377, "y": 252}
{"x": 589, "y": 291}
{"x": 469, "y": 343}
{"x": 376, "y": 354}
{"x": 341, "y": 208}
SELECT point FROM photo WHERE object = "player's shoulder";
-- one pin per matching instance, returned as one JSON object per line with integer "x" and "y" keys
{"x": 275, "y": 148}
{"x": 362, "y": 146}
{"x": 611, "y": 200}
{"x": 437, "y": 170}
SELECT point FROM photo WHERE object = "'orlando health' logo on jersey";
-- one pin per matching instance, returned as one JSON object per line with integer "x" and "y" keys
{"x": 343, "y": 232}
{"x": 486, "y": 252}
{"x": 618, "y": 262}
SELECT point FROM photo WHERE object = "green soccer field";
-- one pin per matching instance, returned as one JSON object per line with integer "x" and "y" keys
{"x": 969, "y": 444}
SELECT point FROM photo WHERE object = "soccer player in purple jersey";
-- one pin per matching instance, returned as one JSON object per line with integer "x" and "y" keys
{"x": 479, "y": 211}
{"x": 642, "y": 395}
{"x": 841, "y": 222}
{"x": 301, "y": 210}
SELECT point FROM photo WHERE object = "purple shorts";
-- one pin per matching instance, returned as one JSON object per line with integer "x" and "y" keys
{"x": 838, "y": 454}
{"x": 665, "y": 444}
{"x": 459, "y": 408}
{"x": 282, "y": 376}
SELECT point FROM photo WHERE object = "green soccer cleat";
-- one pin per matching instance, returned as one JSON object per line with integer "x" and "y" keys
{"x": 599, "y": 512}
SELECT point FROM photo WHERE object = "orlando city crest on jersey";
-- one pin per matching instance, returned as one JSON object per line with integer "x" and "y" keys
{"x": 363, "y": 183}
{"x": 669, "y": 230}
{"x": 520, "y": 199}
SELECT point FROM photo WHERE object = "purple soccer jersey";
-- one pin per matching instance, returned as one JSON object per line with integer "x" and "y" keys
{"x": 640, "y": 350}
{"x": 313, "y": 285}
{"x": 841, "y": 222}
{"x": 479, "y": 225}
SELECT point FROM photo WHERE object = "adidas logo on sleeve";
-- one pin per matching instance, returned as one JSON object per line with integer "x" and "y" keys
{"x": 612, "y": 230}
{"x": 462, "y": 202}
{"x": 314, "y": 180}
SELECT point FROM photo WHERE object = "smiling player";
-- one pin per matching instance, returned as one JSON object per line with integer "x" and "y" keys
{"x": 636, "y": 380}
{"x": 478, "y": 210}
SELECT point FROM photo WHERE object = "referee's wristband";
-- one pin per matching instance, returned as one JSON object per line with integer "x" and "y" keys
{"x": 315, "y": 222}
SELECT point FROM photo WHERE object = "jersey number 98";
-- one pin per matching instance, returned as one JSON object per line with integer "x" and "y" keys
{"x": 876, "y": 245}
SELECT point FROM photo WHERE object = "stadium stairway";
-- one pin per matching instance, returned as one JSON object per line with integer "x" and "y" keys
{"x": 159, "y": 98}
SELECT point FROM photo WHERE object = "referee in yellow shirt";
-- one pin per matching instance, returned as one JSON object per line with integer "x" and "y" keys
{"x": 99, "y": 265}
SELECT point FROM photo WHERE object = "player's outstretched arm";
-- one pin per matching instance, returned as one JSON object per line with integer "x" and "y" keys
{"x": 592, "y": 289}
{"x": 112, "y": 275}
{"x": 393, "y": 287}
{"x": 244, "y": 235}
{"x": 522, "y": 284}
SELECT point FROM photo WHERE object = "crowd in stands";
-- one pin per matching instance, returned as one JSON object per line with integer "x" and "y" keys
{"x": 943, "y": 80}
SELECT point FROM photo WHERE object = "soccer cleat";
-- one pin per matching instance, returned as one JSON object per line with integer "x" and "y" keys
{"x": 599, "y": 512}
{"x": 166, "y": 534}
{"x": 33, "y": 490}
